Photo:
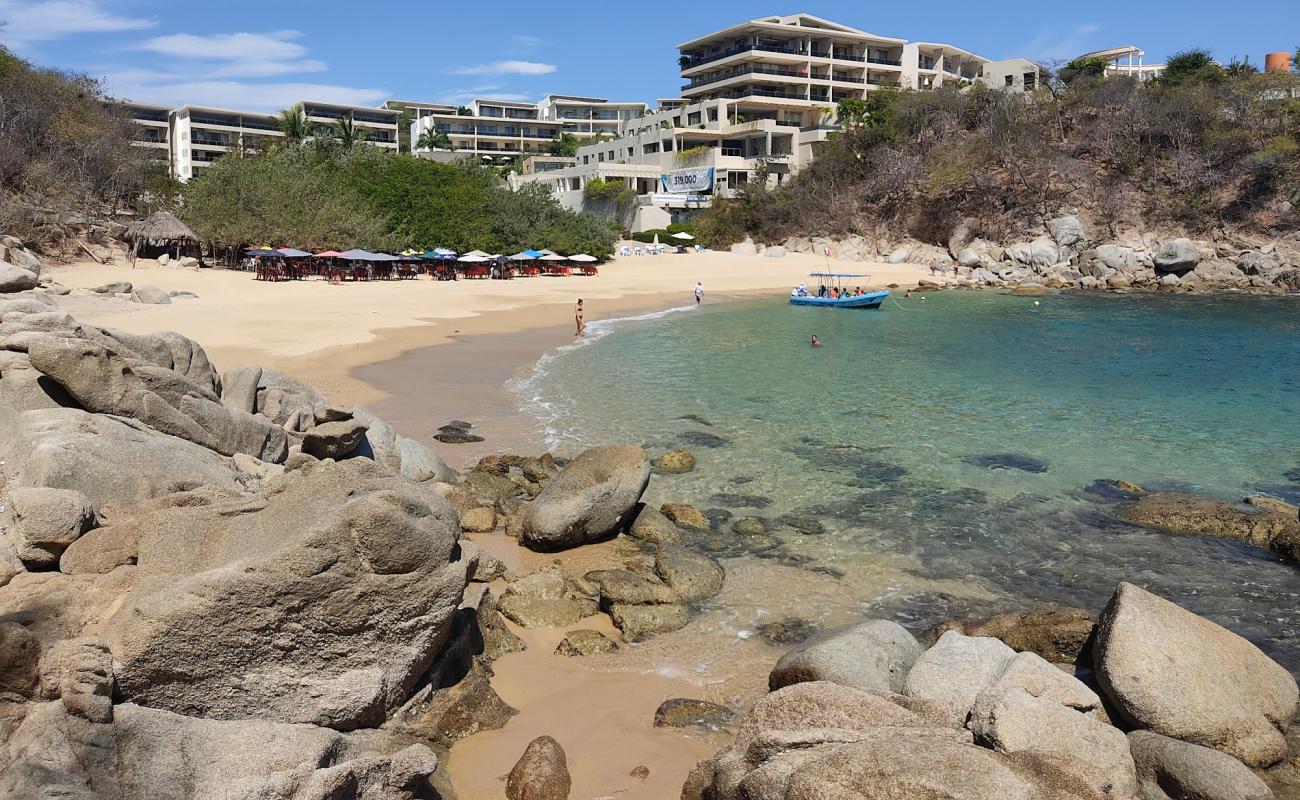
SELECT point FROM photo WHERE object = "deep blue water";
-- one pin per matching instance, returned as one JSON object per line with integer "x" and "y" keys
{"x": 886, "y": 435}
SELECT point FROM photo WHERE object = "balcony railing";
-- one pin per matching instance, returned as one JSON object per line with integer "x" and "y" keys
{"x": 210, "y": 141}
{"x": 752, "y": 70}
{"x": 721, "y": 54}
{"x": 882, "y": 81}
{"x": 754, "y": 91}
{"x": 889, "y": 62}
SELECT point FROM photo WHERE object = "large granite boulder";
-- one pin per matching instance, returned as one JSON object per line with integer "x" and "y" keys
{"x": 45, "y": 521}
{"x": 149, "y": 295}
{"x": 1069, "y": 233}
{"x": 591, "y": 498}
{"x": 1014, "y": 722}
{"x": 1168, "y": 769}
{"x": 105, "y": 381}
{"x": 152, "y": 754}
{"x": 16, "y": 279}
{"x": 421, "y": 464}
{"x": 166, "y": 349}
{"x": 333, "y": 439}
{"x": 110, "y": 458}
{"x": 1169, "y": 671}
{"x": 875, "y": 654}
{"x": 323, "y": 600}
{"x": 955, "y": 670}
{"x": 1177, "y": 256}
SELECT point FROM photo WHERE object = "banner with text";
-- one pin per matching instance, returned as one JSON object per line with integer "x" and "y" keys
{"x": 688, "y": 181}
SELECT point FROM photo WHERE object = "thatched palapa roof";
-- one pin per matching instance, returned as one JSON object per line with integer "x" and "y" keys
{"x": 161, "y": 226}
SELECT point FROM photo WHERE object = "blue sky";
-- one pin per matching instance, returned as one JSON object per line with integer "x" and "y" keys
{"x": 268, "y": 54}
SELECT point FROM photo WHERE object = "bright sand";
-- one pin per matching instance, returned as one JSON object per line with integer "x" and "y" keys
{"x": 349, "y": 341}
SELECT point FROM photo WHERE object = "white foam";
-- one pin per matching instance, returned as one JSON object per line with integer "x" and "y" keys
{"x": 550, "y": 411}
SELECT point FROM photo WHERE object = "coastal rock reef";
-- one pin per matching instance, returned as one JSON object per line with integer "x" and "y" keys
{"x": 215, "y": 585}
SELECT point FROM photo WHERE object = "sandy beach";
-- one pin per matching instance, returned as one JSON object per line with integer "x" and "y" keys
{"x": 422, "y": 352}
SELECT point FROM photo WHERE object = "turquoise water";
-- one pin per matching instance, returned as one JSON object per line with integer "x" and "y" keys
{"x": 885, "y": 434}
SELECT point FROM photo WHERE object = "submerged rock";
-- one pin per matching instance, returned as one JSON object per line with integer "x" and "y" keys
{"x": 652, "y": 526}
{"x": 791, "y": 630}
{"x": 685, "y": 515}
{"x": 703, "y": 439}
{"x": 736, "y": 500}
{"x": 637, "y": 621}
{"x": 1014, "y": 461}
{"x": 675, "y": 462}
{"x": 1169, "y": 671}
{"x": 685, "y": 713}
{"x": 1108, "y": 489}
{"x": 1259, "y": 525}
{"x": 693, "y": 576}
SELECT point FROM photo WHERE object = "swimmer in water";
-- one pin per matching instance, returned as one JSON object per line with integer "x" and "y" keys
{"x": 815, "y": 342}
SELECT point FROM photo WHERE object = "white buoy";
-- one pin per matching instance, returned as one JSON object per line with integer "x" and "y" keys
{"x": 1035, "y": 302}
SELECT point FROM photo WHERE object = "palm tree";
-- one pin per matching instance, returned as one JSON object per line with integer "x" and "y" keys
{"x": 434, "y": 139}
{"x": 345, "y": 132}
{"x": 293, "y": 123}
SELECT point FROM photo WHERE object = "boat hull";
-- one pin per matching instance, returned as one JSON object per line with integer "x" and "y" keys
{"x": 869, "y": 300}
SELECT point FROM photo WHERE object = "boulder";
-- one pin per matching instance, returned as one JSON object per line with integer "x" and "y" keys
{"x": 113, "y": 287}
{"x": 1014, "y": 722}
{"x": 20, "y": 662}
{"x": 638, "y": 621}
{"x": 150, "y": 295}
{"x": 652, "y": 526}
{"x": 105, "y": 381}
{"x": 585, "y": 642}
{"x": 164, "y": 260}
{"x": 110, "y": 458}
{"x": 675, "y": 462}
{"x": 478, "y": 520}
{"x": 421, "y": 464}
{"x": 1168, "y": 769}
{"x": 1030, "y": 673}
{"x": 542, "y": 773}
{"x": 693, "y": 576}
{"x": 45, "y": 521}
{"x": 1030, "y": 290}
{"x": 1177, "y": 256}
{"x": 335, "y": 439}
{"x": 187, "y": 262}
{"x": 898, "y": 255}
{"x": 1181, "y": 513}
{"x": 685, "y": 516}
{"x": 153, "y": 754}
{"x": 1059, "y": 635}
{"x": 446, "y": 714}
{"x": 1169, "y": 671}
{"x": 16, "y": 279}
{"x": 875, "y": 654}
{"x": 745, "y": 248}
{"x": 20, "y": 256}
{"x": 591, "y": 498}
{"x": 1043, "y": 253}
{"x": 789, "y": 630}
{"x": 1069, "y": 233}
{"x": 683, "y": 712}
{"x": 955, "y": 670}
{"x": 322, "y": 600}
{"x": 624, "y": 587}
{"x": 774, "y": 251}
{"x": 547, "y": 599}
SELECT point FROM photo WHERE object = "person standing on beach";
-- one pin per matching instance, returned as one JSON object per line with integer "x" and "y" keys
{"x": 578, "y": 321}
{"x": 699, "y": 292}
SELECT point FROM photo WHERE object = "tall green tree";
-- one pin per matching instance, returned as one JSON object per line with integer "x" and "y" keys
{"x": 1191, "y": 66}
{"x": 345, "y": 132}
{"x": 434, "y": 139}
{"x": 292, "y": 122}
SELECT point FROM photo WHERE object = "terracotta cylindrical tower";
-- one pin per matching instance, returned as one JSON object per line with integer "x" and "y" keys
{"x": 1277, "y": 62}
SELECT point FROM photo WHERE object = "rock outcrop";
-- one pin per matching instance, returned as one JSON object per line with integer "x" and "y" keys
{"x": 876, "y": 654}
{"x": 592, "y": 497}
{"x": 1169, "y": 671}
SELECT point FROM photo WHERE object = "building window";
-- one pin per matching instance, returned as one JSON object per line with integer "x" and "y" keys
{"x": 1011, "y": 81}
{"x": 1030, "y": 81}
{"x": 713, "y": 115}
{"x": 693, "y": 119}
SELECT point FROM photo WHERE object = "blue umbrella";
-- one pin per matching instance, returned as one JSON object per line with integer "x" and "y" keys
{"x": 534, "y": 253}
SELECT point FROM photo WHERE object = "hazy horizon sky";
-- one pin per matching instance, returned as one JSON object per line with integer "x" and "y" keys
{"x": 269, "y": 54}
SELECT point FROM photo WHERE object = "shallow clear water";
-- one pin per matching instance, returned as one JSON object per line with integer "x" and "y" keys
{"x": 884, "y": 436}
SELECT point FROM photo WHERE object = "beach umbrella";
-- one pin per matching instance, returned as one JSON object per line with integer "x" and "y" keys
{"x": 444, "y": 252}
{"x": 383, "y": 257}
{"x": 430, "y": 255}
{"x": 357, "y": 255}
{"x": 583, "y": 258}
{"x": 524, "y": 256}
{"x": 473, "y": 259}
{"x": 478, "y": 253}
{"x": 264, "y": 252}
{"x": 553, "y": 257}
{"x": 289, "y": 252}
{"x": 329, "y": 254}
{"x": 546, "y": 253}
{"x": 683, "y": 235}
{"x": 537, "y": 253}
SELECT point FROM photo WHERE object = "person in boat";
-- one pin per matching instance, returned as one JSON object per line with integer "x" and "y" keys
{"x": 835, "y": 295}
{"x": 794, "y": 292}
{"x": 815, "y": 342}
{"x": 821, "y": 290}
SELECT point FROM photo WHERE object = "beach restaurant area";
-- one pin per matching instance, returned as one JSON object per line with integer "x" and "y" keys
{"x": 287, "y": 263}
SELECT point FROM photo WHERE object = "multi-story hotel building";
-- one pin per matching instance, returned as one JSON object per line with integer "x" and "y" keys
{"x": 201, "y": 135}
{"x": 1126, "y": 60}
{"x": 378, "y": 126}
{"x": 588, "y": 117}
{"x": 497, "y": 131}
{"x": 152, "y": 128}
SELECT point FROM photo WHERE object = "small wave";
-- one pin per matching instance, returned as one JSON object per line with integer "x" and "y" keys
{"x": 550, "y": 411}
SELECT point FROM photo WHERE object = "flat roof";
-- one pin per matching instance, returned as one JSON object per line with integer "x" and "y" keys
{"x": 215, "y": 109}
{"x": 1115, "y": 52}
{"x": 134, "y": 104}
{"x": 953, "y": 47}
{"x": 577, "y": 101}
{"x": 515, "y": 103}
{"x": 314, "y": 104}
{"x": 416, "y": 104}
{"x": 780, "y": 23}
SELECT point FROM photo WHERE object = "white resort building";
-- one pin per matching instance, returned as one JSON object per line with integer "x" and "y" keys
{"x": 152, "y": 128}
{"x": 588, "y": 117}
{"x": 1126, "y": 61}
{"x": 493, "y": 131}
{"x": 378, "y": 126}
{"x": 202, "y": 134}
{"x": 758, "y": 97}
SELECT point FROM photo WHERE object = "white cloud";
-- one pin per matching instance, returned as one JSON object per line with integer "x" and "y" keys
{"x": 240, "y": 94}
{"x": 487, "y": 91}
{"x": 526, "y": 42}
{"x": 506, "y": 68}
{"x": 46, "y": 20}
{"x": 275, "y": 46}
{"x": 1057, "y": 45}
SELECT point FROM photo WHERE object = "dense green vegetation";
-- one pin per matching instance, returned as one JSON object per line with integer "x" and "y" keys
{"x": 1202, "y": 148}
{"x": 324, "y": 193}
